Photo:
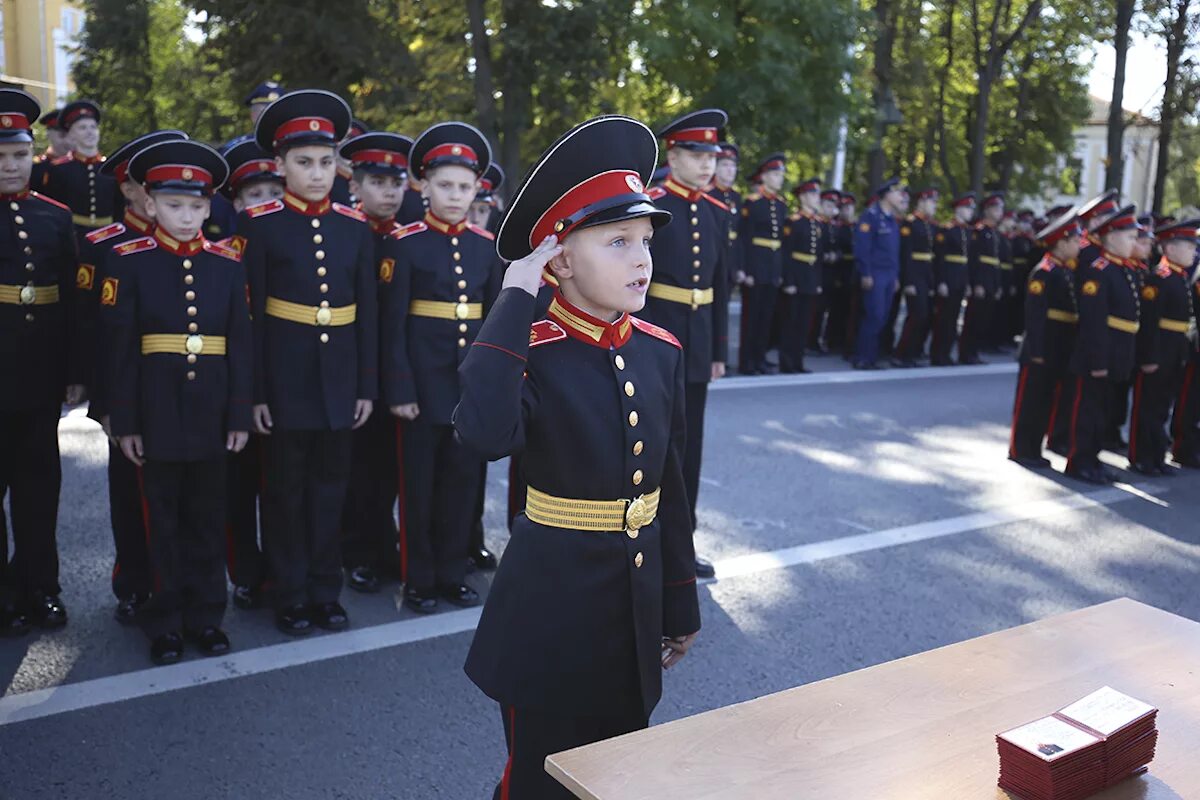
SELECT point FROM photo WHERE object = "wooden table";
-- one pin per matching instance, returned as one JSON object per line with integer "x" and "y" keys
{"x": 919, "y": 727}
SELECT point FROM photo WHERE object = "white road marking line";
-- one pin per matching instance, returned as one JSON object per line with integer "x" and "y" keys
{"x": 200, "y": 672}
{"x": 860, "y": 376}
{"x": 852, "y": 524}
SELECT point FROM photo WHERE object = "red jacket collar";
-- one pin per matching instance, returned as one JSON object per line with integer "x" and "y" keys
{"x": 305, "y": 207}
{"x": 588, "y": 329}
{"x": 173, "y": 245}
{"x": 679, "y": 190}
{"x": 444, "y": 227}
{"x": 21, "y": 195}
{"x": 136, "y": 222}
{"x": 767, "y": 193}
{"x": 96, "y": 159}
{"x": 381, "y": 226}
{"x": 1166, "y": 262}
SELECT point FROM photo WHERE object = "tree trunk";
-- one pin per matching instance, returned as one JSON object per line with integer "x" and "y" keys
{"x": 1176, "y": 36}
{"x": 885, "y": 39}
{"x": 943, "y": 80}
{"x": 1116, "y": 116}
{"x": 979, "y": 131}
{"x": 485, "y": 93}
{"x": 516, "y": 114}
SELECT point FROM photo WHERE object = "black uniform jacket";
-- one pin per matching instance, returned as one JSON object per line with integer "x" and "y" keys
{"x": 165, "y": 306}
{"x": 804, "y": 253}
{"x": 1051, "y": 315}
{"x": 760, "y": 236}
{"x": 574, "y": 619}
{"x": 1166, "y": 316}
{"x": 308, "y": 254}
{"x": 951, "y": 258}
{"x": 918, "y": 237}
{"x": 1109, "y": 310}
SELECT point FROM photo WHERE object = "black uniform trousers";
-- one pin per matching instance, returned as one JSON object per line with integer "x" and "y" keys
{"x": 1185, "y": 437}
{"x": 887, "y": 336}
{"x": 793, "y": 334}
{"x": 306, "y": 477}
{"x": 911, "y": 344}
{"x": 1089, "y": 415}
{"x": 440, "y": 483}
{"x": 245, "y": 560}
{"x": 838, "y": 318}
{"x": 758, "y": 308}
{"x": 31, "y": 477}
{"x": 531, "y": 736}
{"x": 1058, "y": 429}
{"x": 476, "y": 542}
{"x": 1032, "y": 407}
{"x": 1118, "y": 412}
{"x": 185, "y": 509}
{"x": 131, "y": 572}
{"x": 695, "y": 403}
{"x": 945, "y": 328}
{"x": 1153, "y": 394}
{"x": 369, "y": 534}
{"x": 976, "y": 327}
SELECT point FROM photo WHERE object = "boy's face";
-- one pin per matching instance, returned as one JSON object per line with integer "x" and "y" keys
{"x": 309, "y": 171}
{"x": 257, "y": 193}
{"x": 256, "y": 110}
{"x": 1067, "y": 249}
{"x": 135, "y": 197}
{"x": 607, "y": 268}
{"x": 726, "y": 171}
{"x": 380, "y": 195}
{"x": 993, "y": 213}
{"x": 1121, "y": 243}
{"x": 927, "y": 206}
{"x": 1180, "y": 251}
{"x": 772, "y": 180}
{"x": 16, "y": 164}
{"x": 58, "y": 140}
{"x": 180, "y": 215}
{"x": 1142, "y": 247}
{"x": 692, "y": 168}
{"x": 451, "y": 190}
{"x": 84, "y": 136}
{"x": 829, "y": 208}
{"x": 480, "y": 213}
{"x": 810, "y": 200}
{"x": 964, "y": 213}
{"x": 848, "y": 212}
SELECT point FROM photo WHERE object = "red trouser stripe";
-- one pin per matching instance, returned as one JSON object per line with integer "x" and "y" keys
{"x": 1012, "y": 437}
{"x": 1133, "y": 417}
{"x": 1075, "y": 423}
{"x": 146, "y": 522}
{"x": 402, "y": 523}
{"x": 506, "y": 781}
{"x": 1058, "y": 388}
{"x": 1181, "y": 408}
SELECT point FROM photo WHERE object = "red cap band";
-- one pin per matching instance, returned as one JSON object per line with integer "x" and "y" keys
{"x": 1117, "y": 223}
{"x": 451, "y": 151}
{"x": 1107, "y": 207}
{"x": 178, "y": 172}
{"x": 808, "y": 186}
{"x": 76, "y": 113}
{"x": 303, "y": 125}
{"x": 596, "y": 188}
{"x": 776, "y": 164}
{"x": 251, "y": 168}
{"x": 10, "y": 121}
{"x": 485, "y": 185}
{"x": 921, "y": 195}
{"x": 702, "y": 135}
{"x": 121, "y": 171}
{"x": 964, "y": 201}
{"x": 388, "y": 158}
{"x": 1178, "y": 233}
{"x": 993, "y": 200}
{"x": 1064, "y": 232}
{"x": 728, "y": 152}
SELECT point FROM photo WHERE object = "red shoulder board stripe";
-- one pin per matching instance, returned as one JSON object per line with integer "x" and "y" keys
{"x": 655, "y": 331}
{"x": 545, "y": 332}
{"x": 1100, "y": 263}
{"x": 51, "y": 201}
{"x": 715, "y": 202}
{"x": 347, "y": 211}
{"x": 1163, "y": 271}
{"x": 408, "y": 230}
{"x": 656, "y": 193}
{"x": 484, "y": 232}
{"x": 136, "y": 246}
{"x": 107, "y": 232}
{"x": 269, "y": 207}
{"x": 216, "y": 248}
{"x": 61, "y": 160}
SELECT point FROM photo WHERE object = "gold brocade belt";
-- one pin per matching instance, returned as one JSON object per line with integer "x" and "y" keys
{"x": 1174, "y": 325}
{"x": 770, "y": 244}
{"x": 1058, "y": 315}
{"x": 677, "y": 294}
{"x": 89, "y": 221}
{"x": 1123, "y": 325}
{"x": 807, "y": 258}
{"x": 626, "y": 516}
{"x": 989, "y": 260}
{"x": 182, "y": 344}
{"x": 28, "y": 295}
{"x": 921, "y": 256}
{"x": 955, "y": 259}
{"x": 311, "y": 315}
{"x": 438, "y": 310}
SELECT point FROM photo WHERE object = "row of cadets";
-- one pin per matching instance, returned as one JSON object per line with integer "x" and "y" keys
{"x": 918, "y": 238}
{"x": 952, "y": 258}
{"x": 446, "y": 277}
{"x": 803, "y": 275}
{"x": 40, "y": 366}
{"x": 984, "y": 281}
{"x": 177, "y": 343}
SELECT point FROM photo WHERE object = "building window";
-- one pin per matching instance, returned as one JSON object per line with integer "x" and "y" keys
{"x": 1070, "y": 181}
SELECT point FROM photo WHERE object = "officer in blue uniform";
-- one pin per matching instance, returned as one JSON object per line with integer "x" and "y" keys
{"x": 177, "y": 336}
{"x": 689, "y": 293}
{"x": 39, "y": 366}
{"x": 760, "y": 236}
{"x": 309, "y": 262}
{"x": 877, "y": 266}
{"x": 447, "y": 276}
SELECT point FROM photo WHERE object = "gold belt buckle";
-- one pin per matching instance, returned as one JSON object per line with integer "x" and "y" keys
{"x": 637, "y": 514}
{"x": 461, "y": 311}
{"x": 697, "y": 296}
{"x": 194, "y": 344}
{"x": 324, "y": 316}
{"x": 28, "y": 295}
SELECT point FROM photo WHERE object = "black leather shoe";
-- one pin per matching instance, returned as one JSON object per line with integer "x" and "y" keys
{"x": 331, "y": 616}
{"x": 1191, "y": 462}
{"x": 1095, "y": 475}
{"x": 1032, "y": 462}
{"x": 13, "y": 622}
{"x": 1058, "y": 449}
{"x": 420, "y": 601}
{"x": 462, "y": 595}
{"x": 1117, "y": 445}
{"x": 127, "y": 607}
{"x": 211, "y": 641}
{"x": 166, "y": 649}
{"x": 363, "y": 579}
{"x": 484, "y": 559}
{"x": 1142, "y": 469}
{"x": 294, "y": 621}
{"x": 247, "y": 598}
{"x": 705, "y": 569}
{"x": 46, "y": 611}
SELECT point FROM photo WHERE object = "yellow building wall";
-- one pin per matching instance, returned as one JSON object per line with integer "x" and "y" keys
{"x": 37, "y": 38}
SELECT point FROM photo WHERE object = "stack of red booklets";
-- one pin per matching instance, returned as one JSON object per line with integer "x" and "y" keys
{"x": 1080, "y": 750}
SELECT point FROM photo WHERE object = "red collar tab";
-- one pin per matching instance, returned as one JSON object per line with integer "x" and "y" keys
{"x": 1180, "y": 268}
{"x": 679, "y": 190}
{"x": 1053, "y": 259}
{"x": 767, "y": 193}
{"x": 573, "y": 207}
{"x": 10, "y": 120}
{"x": 179, "y": 172}
{"x": 381, "y": 226}
{"x": 451, "y": 150}
{"x": 305, "y": 207}
{"x": 588, "y": 329}
{"x": 388, "y": 158}
{"x": 444, "y": 227}
{"x": 173, "y": 245}
{"x": 257, "y": 166}
{"x": 302, "y": 124}
{"x": 21, "y": 195}
{"x": 132, "y": 220}
{"x": 96, "y": 159}
{"x": 703, "y": 135}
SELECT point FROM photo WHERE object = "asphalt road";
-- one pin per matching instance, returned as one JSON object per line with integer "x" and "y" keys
{"x": 855, "y": 518}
